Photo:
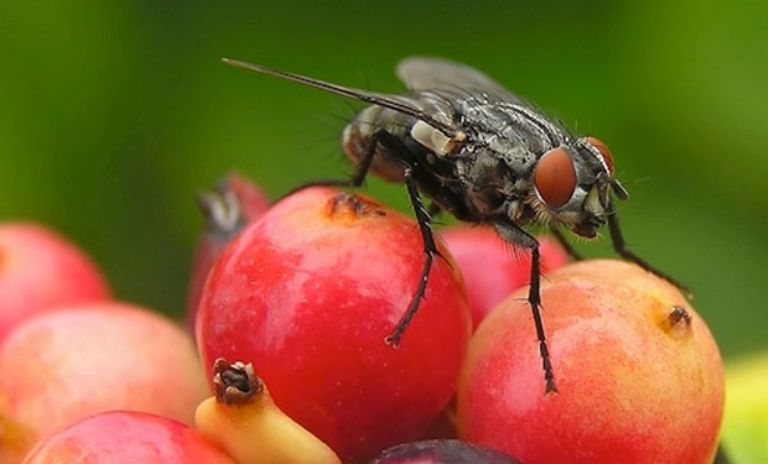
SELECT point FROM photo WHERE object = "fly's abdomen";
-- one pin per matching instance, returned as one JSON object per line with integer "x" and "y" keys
{"x": 360, "y": 134}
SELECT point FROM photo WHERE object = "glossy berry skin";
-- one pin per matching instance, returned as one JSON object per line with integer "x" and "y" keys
{"x": 492, "y": 268}
{"x": 308, "y": 294}
{"x": 40, "y": 271}
{"x": 126, "y": 437}
{"x": 639, "y": 376}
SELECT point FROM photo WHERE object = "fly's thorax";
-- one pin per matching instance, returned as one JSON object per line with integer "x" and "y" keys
{"x": 500, "y": 153}
{"x": 490, "y": 182}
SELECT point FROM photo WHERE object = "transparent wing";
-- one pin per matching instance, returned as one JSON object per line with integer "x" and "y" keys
{"x": 423, "y": 73}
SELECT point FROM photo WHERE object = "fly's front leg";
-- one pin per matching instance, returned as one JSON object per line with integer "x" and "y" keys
{"x": 558, "y": 234}
{"x": 517, "y": 236}
{"x": 430, "y": 251}
{"x": 380, "y": 137}
{"x": 621, "y": 248}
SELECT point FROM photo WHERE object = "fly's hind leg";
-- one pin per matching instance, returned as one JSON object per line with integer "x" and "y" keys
{"x": 378, "y": 138}
{"x": 430, "y": 251}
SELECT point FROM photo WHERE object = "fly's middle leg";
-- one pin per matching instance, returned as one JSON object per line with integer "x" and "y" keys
{"x": 514, "y": 234}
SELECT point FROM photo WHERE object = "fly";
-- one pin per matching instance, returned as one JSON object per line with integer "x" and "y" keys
{"x": 484, "y": 155}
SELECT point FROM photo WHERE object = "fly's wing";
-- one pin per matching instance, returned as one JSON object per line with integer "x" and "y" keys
{"x": 435, "y": 74}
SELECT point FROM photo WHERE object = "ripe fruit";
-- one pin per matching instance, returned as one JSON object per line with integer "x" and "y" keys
{"x": 243, "y": 420}
{"x": 442, "y": 452}
{"x": 126, "y": 437}
{"x": 308, "y": 294}
{"x": 492, "y": 268}
{"x": 59, "y": 367}
{"x": 39, "y": 270}
{"x": 640, "y": 378}
{"x": 745, "y": 426}
{"x": 234, "y": 202}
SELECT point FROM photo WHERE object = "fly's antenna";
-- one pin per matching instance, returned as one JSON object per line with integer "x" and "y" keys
{"x": 356, "y": 94}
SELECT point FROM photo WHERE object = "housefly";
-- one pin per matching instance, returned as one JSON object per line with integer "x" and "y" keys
{"x": 484, "y": 155}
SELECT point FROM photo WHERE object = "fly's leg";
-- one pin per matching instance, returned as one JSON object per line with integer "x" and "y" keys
{"x": 361, "y": 169}
{"x": 515, "y": 235}
{"x": 621, "y": 248}
{"x": 558, "y": 234}
{"x": 430, "y": 250}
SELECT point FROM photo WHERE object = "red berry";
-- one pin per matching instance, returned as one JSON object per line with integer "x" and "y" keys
{"x": 308, "y": 294}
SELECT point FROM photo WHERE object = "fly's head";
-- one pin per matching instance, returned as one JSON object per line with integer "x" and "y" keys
{"x": 572, "y": 185}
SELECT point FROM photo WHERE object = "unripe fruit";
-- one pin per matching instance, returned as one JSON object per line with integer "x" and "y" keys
{"x": 243, "y": 420}
{"x": 745, "y": 427}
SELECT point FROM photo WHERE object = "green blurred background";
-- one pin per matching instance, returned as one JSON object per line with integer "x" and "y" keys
{"x": 113, "y": 114}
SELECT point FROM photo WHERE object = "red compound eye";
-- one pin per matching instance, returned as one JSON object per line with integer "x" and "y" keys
{"x": 603, "y": 149}
{"x": 555, "y": 177}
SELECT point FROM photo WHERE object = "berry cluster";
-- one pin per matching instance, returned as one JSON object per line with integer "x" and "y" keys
{"x": 292, "y": 306}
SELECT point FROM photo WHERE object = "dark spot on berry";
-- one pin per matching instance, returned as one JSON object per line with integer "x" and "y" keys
{"x": 352, "y": 204}
{"x": 679, "y": 315}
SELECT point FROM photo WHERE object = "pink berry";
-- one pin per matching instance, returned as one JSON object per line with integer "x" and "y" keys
{"x": 62, "y": 366}
{"x": 40, "y": 271}
{"x": 639, "y": 375}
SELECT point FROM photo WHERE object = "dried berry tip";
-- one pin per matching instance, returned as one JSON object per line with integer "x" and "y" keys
{"x": 679, "y": 314}
{"x": 235, "y": 383}
{"x": 349, "y": 203}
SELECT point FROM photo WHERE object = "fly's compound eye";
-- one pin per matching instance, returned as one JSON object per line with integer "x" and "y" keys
{"x": 555, "y": 177}
{"x": 603, "y": 149}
